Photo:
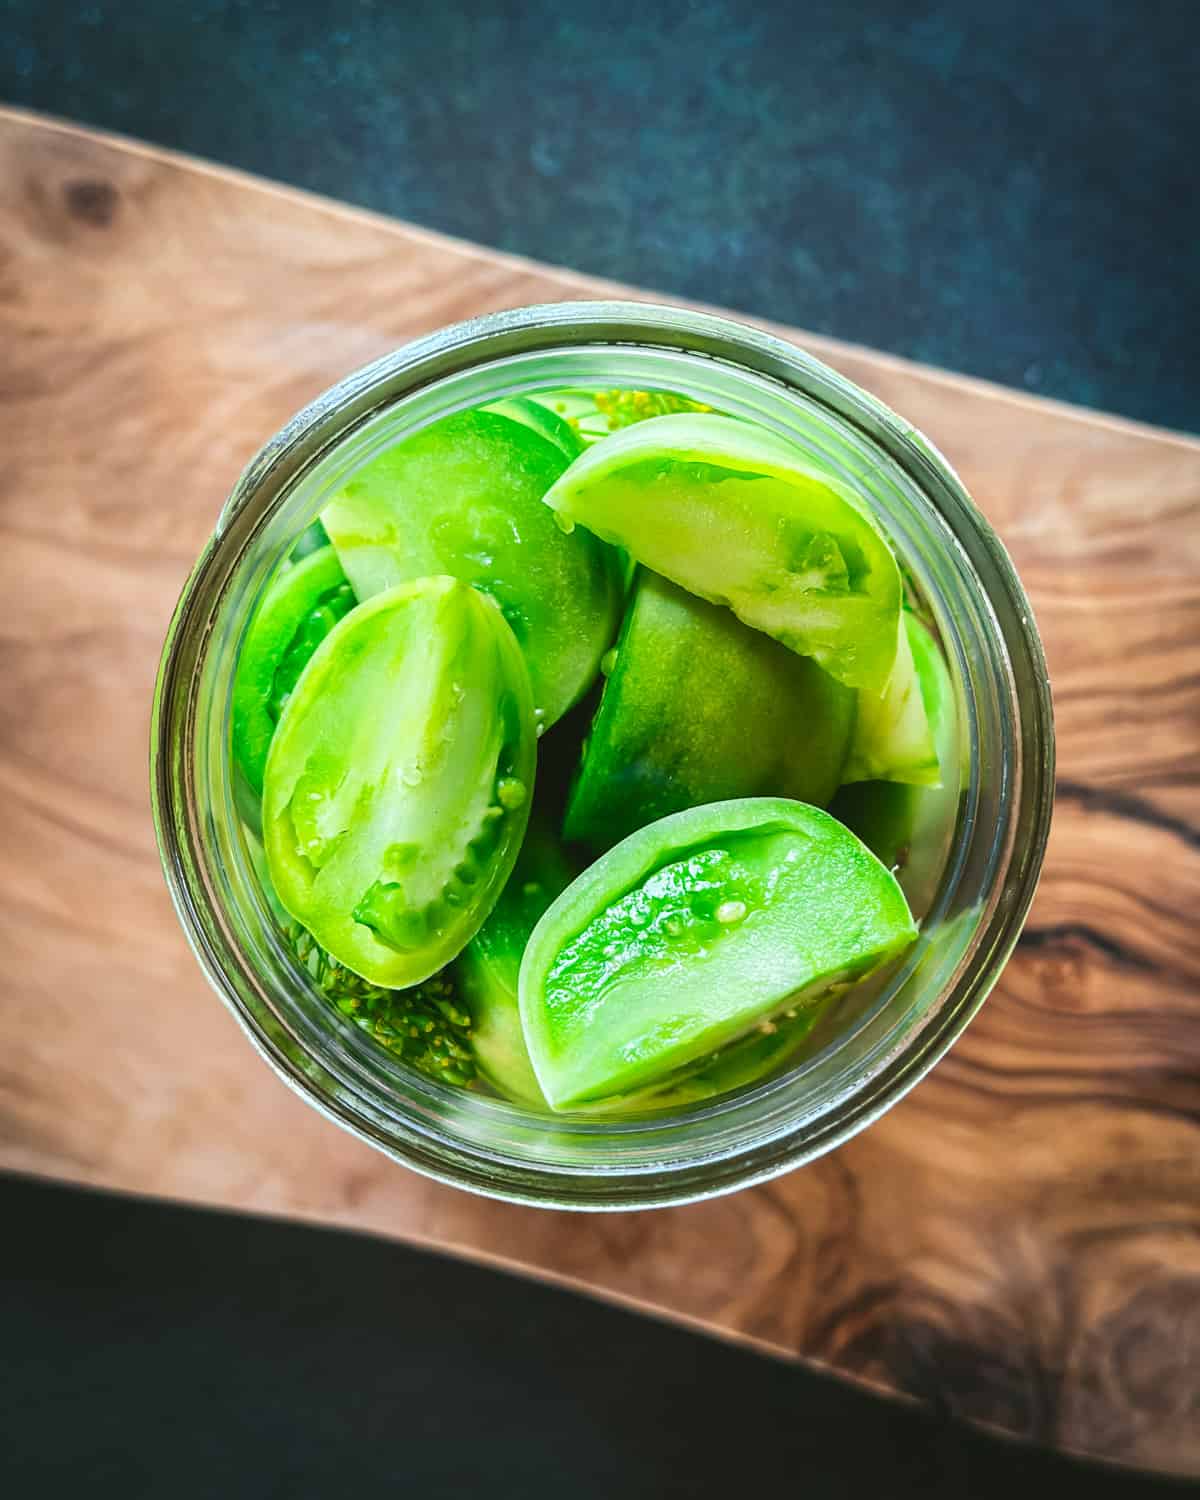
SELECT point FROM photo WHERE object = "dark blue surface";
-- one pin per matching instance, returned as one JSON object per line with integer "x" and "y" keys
{"x": 998, "y": 187}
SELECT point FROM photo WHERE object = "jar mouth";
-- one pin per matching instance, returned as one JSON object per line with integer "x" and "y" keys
{"x": 487, "y": 1145}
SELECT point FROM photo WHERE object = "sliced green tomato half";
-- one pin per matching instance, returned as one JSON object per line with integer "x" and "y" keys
{"x": 910, "y": 827}
{"x": 738, "y": 516}
{"x": 300, "y": 606}
{"x": 398, "y": 783}
{"x": 700, "y": 708}
{"x": 463, "y": 497}
{"x": 691, "y": 932}
{"x": 487, "y": 970}
{"x": 893, "y": 736}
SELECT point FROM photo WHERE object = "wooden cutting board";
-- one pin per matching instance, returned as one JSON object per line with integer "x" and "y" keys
{"x": 1019, "y": 1239}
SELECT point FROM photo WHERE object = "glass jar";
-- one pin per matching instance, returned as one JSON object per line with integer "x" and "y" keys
{"x": 887, "y": 1035}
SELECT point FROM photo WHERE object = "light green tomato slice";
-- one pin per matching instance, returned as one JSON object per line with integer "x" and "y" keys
{"x": 910, "y": 828}
{"x": 488, "y": 967}
{"x": 700, "y": 708}
{"x": 692, "y": 931}
{"x": 398, "y": 783}
{"x": 893, "y": 737}
{"x": 738, "y": 516}
{"x": 464, "y": 498}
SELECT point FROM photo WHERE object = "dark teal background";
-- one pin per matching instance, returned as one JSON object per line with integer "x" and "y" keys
{"x": 1006, "y": 188}
{"x": 1002, "y": 188}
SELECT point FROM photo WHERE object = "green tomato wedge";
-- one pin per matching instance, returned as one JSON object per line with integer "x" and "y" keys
{"x": 910, "y": 827}
{"x": 893, "y": 735}
{"x": 300, "y": 606}
{"x": 487, "y": 970}
{"x": 693, "y": 930}
{"x": 543, "y": 420}
{"x": 738, "y": 516}
{"x": 399, "y": 780}
{"x": 463, "y": 498}
{"x": 700, "y": 708}
{"x": 311, "y": 539}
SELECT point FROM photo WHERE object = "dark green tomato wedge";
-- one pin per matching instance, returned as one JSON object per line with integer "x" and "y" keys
{"x": 311, "y": 539}
{"x": 543, "y": 420}
{"x": 738, "y": 516}
{"x": 399, "y": 780}
{"x": 464, "y": 497}
{"x": 691, "y": 932}
{"x": 301, "y": 605}
{"x": 910, "y": 827}
{"x": 487, "y": 970}
{"x": 700, "y": 708}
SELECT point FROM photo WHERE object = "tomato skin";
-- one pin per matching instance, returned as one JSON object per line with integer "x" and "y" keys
{"x": 399, "y": 781}
{"x": 694, "y": 930}
{"x": 700, "y": 708}
{"x": 299, "y": 607}
{"x": 463, "y": 497}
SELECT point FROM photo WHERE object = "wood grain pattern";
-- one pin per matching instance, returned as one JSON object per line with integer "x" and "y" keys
{"x": 1018, "y": 1240}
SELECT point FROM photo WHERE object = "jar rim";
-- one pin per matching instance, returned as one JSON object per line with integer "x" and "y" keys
{"x": 350, "y": 406}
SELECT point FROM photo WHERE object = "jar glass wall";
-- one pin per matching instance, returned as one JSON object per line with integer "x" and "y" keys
{"x": 886, "y": 1035}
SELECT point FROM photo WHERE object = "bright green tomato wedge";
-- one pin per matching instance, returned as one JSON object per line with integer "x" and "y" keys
{"x": 893, "y": 736}
{"x": 700, "y": 708}
{"x": 487, "y": 974}
{"x": 398, "y": 782}
{"x": 541, "y": 418}
{"x": 488, "y": 967}
{"x": 738, "y": 516}
{"x": 463, "y": 498}
{"x": 910, "y": 827}
{"x": 487, "y": 971}
{"x": 693, "y": 930}
{"x": 301, "y": 605}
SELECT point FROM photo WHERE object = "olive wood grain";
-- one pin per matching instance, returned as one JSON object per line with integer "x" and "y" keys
{"x": 1019, "y": 1239}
